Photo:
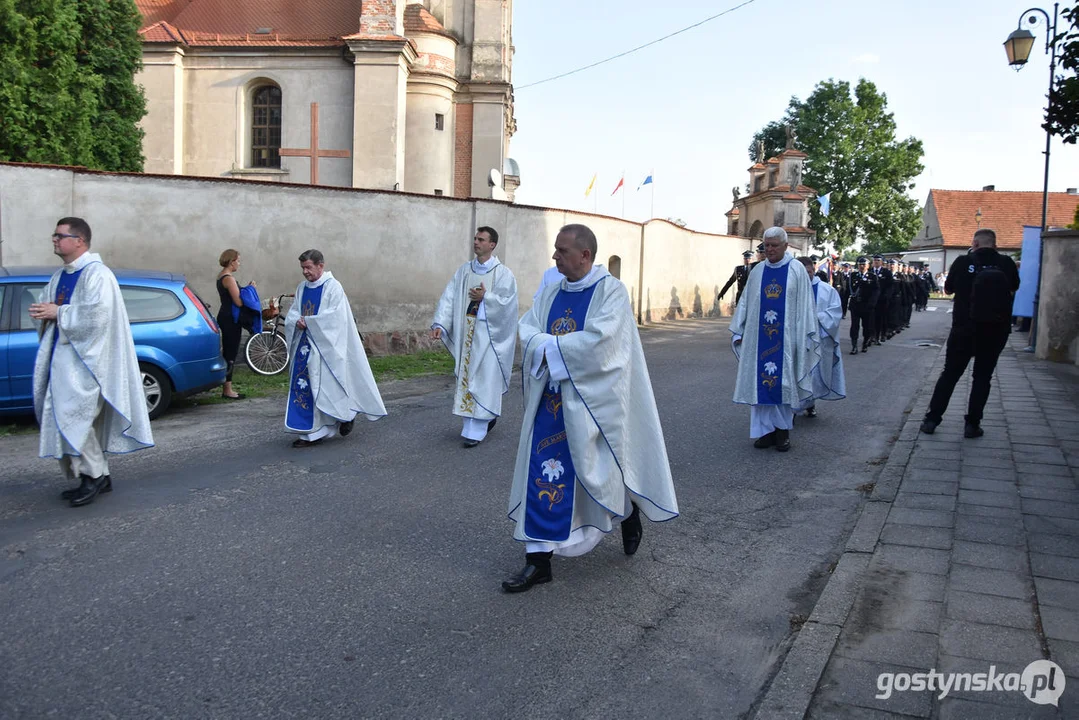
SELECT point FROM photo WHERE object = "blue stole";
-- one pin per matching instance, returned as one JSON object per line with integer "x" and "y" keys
{"x": 65, "y": 288}
{"x": 301, "y": 400}
{"x": 549, "y": 501}
{"x": 770, "y": 336}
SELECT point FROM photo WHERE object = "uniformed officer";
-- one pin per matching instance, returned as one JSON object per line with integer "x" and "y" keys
{"x": 864, "y": 293}
{"x": 740, "y": 275}
{"x": 883, "y": 306}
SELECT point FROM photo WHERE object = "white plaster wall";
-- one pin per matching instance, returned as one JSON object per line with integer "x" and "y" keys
{"x": 684, "y": 271}
{"x": 429, "y": 152}
{"x": 161, "y": 77}
{"x": 393, "y": 252}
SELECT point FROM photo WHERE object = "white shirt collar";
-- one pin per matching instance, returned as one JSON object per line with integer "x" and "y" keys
{"x": 326, "y": 275}
{"x": 787, "y": 257}
{"x": 481, "y": 268}
{"x": 81, "y": 261}
{"x": 597, "y": 273}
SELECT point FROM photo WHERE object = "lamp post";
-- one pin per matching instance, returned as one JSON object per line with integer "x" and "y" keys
{"x": 1018, "y": 47}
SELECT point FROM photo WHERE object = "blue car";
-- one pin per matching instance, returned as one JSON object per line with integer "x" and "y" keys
{"x": 176, "y": 339}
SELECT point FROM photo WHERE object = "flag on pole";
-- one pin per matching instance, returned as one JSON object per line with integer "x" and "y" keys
{"x": 590, "y": 185}
{"x": 647, "y": 181}
{"x": 617, "y": 187}
{"x": 825, "y": 204}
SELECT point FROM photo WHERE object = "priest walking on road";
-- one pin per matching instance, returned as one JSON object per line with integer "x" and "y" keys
{"x": 591, "y": 451}
{"x": 87, "y": 384}
{"x": 775, "y": 337}
{"x": 476, "y": 319}
{"x": 330, "y": 380}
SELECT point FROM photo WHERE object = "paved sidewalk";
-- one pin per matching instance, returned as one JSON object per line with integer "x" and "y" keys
{"x": 966, "y": 558}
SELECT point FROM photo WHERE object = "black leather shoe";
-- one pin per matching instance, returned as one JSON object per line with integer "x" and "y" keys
{"x": 90, "y": 491}
{"x": 783, "y": 440}
{"x": 972, "y": 430}
{"x": 865, "y": 347}
{"x": 765, "y": 441}
{"x": 536, "y": 572}
{"x": 75, "y": 492}
{"x": 929, "y": 426}
{"x": 632, "y": 531}
{"x": 854, "y": 350}
{"x": 811, "y": 411}
{"x": 301, "y": 443}
{"x": 470, "y": 443}
{"x": 345, "y": 429}
{"x": 491, "y": 425}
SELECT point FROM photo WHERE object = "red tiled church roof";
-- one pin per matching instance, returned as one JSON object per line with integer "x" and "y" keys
{"x": 1003, "y": 211}
{"x": 231, "y": 23}
{"x": 417, "y": 19}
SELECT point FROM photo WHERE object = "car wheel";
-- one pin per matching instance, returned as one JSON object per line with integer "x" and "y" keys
{"x": 157, "y": 389}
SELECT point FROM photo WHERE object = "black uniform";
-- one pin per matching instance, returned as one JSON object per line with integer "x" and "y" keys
{"x": 884, "y": 303}
{"x": 864, "y": 294}
{"x": 982, "y": 341}
{"x": 740, "y": 275}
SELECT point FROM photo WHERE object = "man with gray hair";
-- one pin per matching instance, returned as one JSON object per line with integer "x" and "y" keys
{"x": 331, "y": 380}
{"x": 984, "y": 283}
{"x": 775, "y": 337}
{"x": 591, "y": 449}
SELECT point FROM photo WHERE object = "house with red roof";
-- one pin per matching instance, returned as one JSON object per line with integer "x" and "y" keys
{"x": 950, "y": 218}
{"x": 379, "y": 94}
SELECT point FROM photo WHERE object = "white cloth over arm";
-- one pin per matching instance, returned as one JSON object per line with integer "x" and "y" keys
{"x": 828, "y": 380}
{"x": 94, "y": 360}
{"x": 341, "y": 379}
{"x": 612, "y": 423}
{"x": 482, "y": 349}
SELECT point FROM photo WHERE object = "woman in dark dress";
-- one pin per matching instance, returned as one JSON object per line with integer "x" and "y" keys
{"x": 228, "y": 293}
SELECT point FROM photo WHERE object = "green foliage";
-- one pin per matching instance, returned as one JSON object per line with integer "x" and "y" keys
{"x": 774, "y": 135}
{"x": 853, "y": 153}
{"x": 1062, "y": 116}
{"x": 1075, "y": 220}
{"x": 67, "y": 91}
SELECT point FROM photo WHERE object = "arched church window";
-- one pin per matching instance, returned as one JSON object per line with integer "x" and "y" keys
{"x": 266, "y": 127}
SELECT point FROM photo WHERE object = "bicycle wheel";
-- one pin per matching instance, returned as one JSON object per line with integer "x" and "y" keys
{"x": 267, "y": 353}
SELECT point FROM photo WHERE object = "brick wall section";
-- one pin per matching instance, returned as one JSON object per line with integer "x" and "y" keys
{"x": 378, "y": 17}
{"x": 462, "y": 152}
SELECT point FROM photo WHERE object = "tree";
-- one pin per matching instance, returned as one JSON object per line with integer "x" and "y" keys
{"x": 1062, "y": 115}
{"x": 67, "y": 91}
{"x": 774, "y": 135}
{"x": 853, "y": 153}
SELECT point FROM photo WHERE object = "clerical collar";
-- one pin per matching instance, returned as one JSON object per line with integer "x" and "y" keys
{"x": 787, "y": 257}
{"x": 326, "y": 275}
{"x": 597, "y": 273}
{"x": 484, "y": 267}
{"x": 81, "y": 261}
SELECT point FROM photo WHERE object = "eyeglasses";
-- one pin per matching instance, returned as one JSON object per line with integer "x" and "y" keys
{"x": 61, "y": 236}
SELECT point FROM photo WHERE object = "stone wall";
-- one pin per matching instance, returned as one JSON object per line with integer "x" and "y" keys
{"x": 392, "y": 251}
{"x": 1058, "y": 306}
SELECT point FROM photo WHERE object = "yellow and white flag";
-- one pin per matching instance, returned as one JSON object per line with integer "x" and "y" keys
{"x": 591, "y": 185}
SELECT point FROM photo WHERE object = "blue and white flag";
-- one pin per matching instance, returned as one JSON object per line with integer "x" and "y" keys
{"x": 825, "y": 204}
{"x": 647, "y": 181}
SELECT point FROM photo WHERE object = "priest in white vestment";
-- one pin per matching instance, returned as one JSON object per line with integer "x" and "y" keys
{"x": 330, "y": 379}
{"x": 591, "y": 450}
{"x": 476, "y": 319}
{"x": 828, "y": 380}
{"x": 87, "y": 383}
{"x": 774, "y": 332}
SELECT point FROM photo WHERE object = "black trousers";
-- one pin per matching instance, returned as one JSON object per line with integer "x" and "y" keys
{"x": 983, "y": 342}
{"x": 881, "y": 318}
{"x": 231, "y": 333}
{"x": 864, "y": 317}
{"x": 844, "y": 298}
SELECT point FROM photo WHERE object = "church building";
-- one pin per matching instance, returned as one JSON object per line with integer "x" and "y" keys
{"x": 776, "y": 197}
{"x": 380, "y": 94}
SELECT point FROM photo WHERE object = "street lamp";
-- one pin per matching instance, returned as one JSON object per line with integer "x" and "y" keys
{"x": 1018, "y": 47}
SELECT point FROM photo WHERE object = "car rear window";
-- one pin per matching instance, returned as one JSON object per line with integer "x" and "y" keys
{"x": 150, "y": 304}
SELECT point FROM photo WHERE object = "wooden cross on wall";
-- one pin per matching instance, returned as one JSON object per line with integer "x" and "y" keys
{"x": 314, "y": 152}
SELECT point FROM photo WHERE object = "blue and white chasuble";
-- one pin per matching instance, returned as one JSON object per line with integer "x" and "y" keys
{"x": 551, "y": 490}
{"x": 65, "y": 287}
{"x": 770, "y": 337}
{"x": 301, "y": 400}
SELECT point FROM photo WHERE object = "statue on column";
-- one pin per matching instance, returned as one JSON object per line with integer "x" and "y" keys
{"x": 791, "y": 136}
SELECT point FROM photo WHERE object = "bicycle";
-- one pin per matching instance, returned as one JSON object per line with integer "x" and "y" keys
{"x": 267, "y": 351}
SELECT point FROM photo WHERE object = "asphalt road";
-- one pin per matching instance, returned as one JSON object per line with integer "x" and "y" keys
{"x": 230, "y": 576}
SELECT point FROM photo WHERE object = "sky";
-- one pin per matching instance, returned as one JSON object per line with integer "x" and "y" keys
{"x": 686, "y": 109}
